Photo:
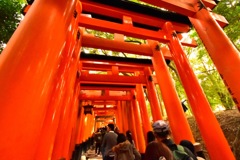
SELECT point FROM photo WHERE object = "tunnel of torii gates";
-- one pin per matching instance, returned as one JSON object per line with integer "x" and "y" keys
{"x": 46, "y": 80}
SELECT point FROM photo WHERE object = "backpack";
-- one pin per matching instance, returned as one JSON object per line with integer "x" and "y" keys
{"x": 180, "y": 154}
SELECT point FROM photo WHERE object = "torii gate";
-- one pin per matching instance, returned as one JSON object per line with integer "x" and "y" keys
{"x": 40, "y": 115}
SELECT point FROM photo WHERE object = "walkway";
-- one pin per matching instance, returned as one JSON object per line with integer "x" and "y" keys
{"x": 90, "y": 155}
{"x": 91, "y": 158}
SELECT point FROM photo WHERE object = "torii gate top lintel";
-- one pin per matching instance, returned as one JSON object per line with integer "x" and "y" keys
{"x": 133, "y": 7}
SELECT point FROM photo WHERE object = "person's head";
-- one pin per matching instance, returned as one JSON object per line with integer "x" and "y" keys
{"x": 129, "y": 136}
{"x": 121, "y": 138}
{"x": 116, "y": 130}
{"x": 150, "y": 136}
{"x": 188, "y": 144}
{"x": 110, "y": 127}
{"x": 161, "y": 129}
{"x": 128, "y": 133}
{"x": 104, "y": 129}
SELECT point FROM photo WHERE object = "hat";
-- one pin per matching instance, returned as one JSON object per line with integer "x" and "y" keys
{"x": 160, "y": 126}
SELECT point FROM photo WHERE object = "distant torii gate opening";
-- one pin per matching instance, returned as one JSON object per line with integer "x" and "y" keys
{"x": 46, "y": 80}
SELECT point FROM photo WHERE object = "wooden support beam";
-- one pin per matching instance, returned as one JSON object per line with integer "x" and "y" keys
{"x": 104, "y": 102}
{"x": 209, "y": 3}
{"x": 116, "y": 60}
{"x": 93, "y": 7}
{"x": 99, "y": 120}
{"x": 182, "y": 7}
{"x": 185, "y": 7}
{"x": 125, "y": 29}
{"x": 221, "y": 20}
{"x": 98, "y": 78}
{"x": 116, "y": 98}
{"x": 104, "y": 109}
{"x": 102, "y": 113}
{"x": 114, "y": 45}
{"x": 108, "y": 67}
{"x": 104, "y": 116}
{"x": 115, "y": 87}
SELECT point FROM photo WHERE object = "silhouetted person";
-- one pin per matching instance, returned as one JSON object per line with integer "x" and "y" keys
{"x": 184, "y": 106}
{"x": 190, "y": 146}
{"x": 103, "y": 131}
{"x": 109, "y": 140}
{"x": 150, "y": 137}
{"x": 116, "y": 130}
{"x": 129, "y": 137}
{"x": 98, "y": 139}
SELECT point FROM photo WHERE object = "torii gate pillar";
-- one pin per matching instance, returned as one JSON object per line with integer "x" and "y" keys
{"x": 152, "y": 96}
{"x": 223, "y": 53}
{"x": 36, "y": 71}
{"x": 179, "y": 125}
{"x": 208, "y": 126}
{"x": 139, "y": 129}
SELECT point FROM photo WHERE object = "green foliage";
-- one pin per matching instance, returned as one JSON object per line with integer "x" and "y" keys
{"x": 10, "y": 17}
{"x": 100, "y": 34}
{"x": 230, "y": 9}
{"x": 208, "y": 77}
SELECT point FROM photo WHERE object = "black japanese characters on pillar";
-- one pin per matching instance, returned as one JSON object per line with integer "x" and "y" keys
{"x": 88, "y": 109}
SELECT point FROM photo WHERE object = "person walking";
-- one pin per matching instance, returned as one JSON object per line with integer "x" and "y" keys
{"x": 162, "y": 133}
{"x": 98, "y": 140}
{"x": 190, "y": 146}
{"x": 129, "y": 137}
{"x": 109, "y": 140}
{"x": 124, "y": 150}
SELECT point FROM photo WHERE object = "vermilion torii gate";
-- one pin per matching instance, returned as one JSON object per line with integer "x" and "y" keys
{"x": 41, "y": 75}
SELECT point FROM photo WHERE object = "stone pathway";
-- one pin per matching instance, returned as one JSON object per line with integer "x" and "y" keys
{"x": 90, "y": 155}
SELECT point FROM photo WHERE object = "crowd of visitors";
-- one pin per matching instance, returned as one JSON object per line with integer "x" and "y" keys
{"x": 115, "y": 145}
